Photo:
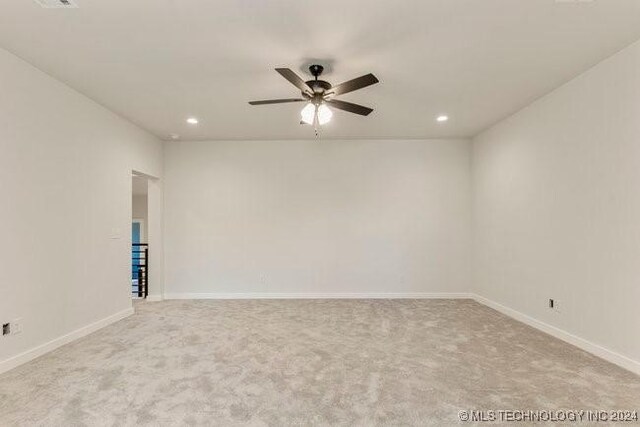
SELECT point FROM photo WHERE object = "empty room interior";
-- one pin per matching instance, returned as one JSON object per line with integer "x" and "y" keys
{"x": 337, "y": 213}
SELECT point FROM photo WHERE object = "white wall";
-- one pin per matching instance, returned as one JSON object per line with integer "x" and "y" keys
{"x": 317, "y": 217}
{"x": 139, "y": 208}
{"x": 139, "y": 211}
{"x": 557, "y": 207}
{"x": 155, "y": 238}
{"x": 65, "y": 187}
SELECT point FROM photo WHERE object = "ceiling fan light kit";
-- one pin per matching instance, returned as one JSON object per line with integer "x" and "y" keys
{"x": 319, "y": 95}
{"x": 308, "y": 113}
{"x": 324, "y": 114}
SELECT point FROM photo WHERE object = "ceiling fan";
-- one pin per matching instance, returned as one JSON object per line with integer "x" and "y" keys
{"x": 319, "y": 95}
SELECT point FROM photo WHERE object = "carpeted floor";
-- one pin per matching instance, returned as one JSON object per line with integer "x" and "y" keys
{"x": 308, "y": 362}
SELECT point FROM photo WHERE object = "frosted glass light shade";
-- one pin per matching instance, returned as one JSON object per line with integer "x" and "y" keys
{"x": 308, "y": 113}
{"x": 324, "y": 114}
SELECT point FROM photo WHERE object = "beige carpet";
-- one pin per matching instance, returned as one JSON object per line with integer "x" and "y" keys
{"x": 308, "y": 362}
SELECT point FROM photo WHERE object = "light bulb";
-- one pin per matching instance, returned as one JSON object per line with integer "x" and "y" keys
{"x": 308, "y": 113}
{"x": 324, "y": 114}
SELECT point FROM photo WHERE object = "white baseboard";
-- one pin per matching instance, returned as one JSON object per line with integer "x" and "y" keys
{"x": 608, "y": 355}
{"x": 38, "y": 351}
{"x": 332, "y": 295}
{"x": 588, "y": 346}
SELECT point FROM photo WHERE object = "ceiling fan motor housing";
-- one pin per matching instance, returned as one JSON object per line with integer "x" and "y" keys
{"x": 318, "y": 86}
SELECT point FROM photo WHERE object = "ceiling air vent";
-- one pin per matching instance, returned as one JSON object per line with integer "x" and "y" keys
{"x": 57, "y": 4}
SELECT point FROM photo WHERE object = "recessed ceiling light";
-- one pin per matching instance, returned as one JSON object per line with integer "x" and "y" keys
{"x": 442, "y": 118}
{"x": 192, "y": 121}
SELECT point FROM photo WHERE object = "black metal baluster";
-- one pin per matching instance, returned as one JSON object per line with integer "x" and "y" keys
{"x": 146, "y": 271}
{"x": 140, "y": 279}
{"x": 140, "y": 265}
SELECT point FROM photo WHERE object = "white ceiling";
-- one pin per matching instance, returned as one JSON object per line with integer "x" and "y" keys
{"x": 157, "y": 62}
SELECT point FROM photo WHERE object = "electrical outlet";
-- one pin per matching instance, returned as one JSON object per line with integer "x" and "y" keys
{"x": 16, "y": 326}
{"x": 6, "y": 329}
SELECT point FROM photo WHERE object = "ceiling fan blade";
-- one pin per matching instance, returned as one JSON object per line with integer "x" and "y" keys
{"x": 348, "y": 106}
{"x": 355, "y": 84}
{"x": 295, "y": 80}
{"x": 276, "y": 101}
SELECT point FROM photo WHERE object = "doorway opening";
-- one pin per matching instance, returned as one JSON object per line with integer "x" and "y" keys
{"x": 139, "y": 236}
